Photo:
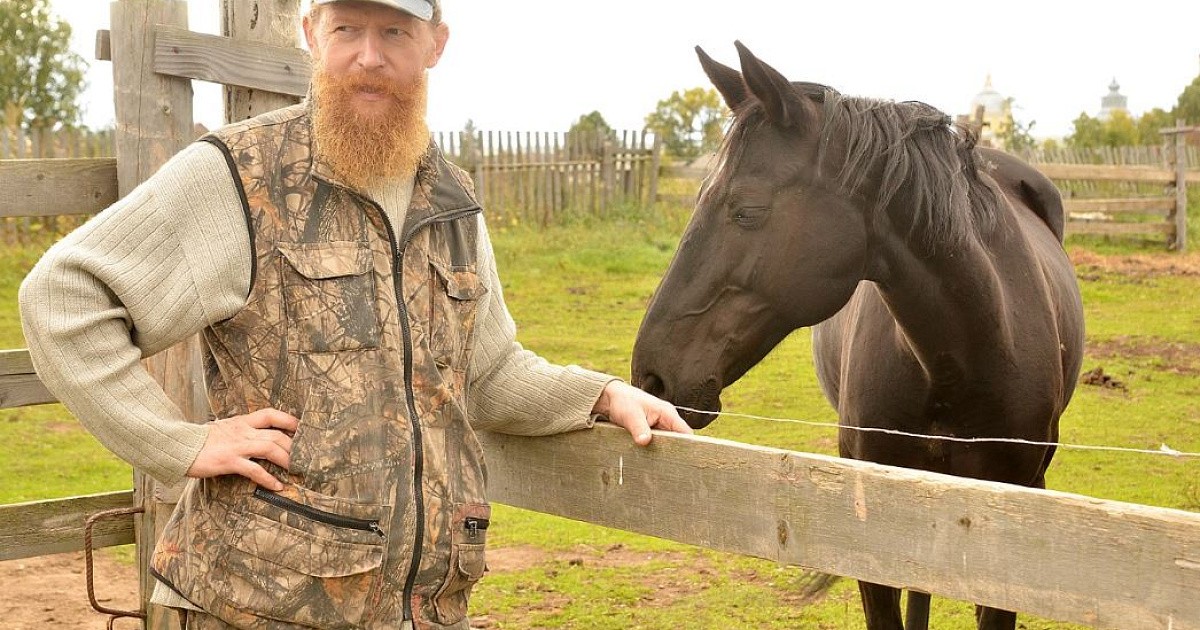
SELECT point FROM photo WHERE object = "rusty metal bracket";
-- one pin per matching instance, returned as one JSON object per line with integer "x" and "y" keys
{"x": 113, "y": 613}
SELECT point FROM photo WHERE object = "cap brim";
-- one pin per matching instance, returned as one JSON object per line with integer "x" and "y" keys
{"x": 418, "y": 8}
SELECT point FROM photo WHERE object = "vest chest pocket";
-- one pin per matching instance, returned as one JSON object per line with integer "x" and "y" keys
{"x": 329, "y": 296}
{"x": 454, "y": 300}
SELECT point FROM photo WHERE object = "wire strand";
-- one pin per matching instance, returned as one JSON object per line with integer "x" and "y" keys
{"x": 1161, "y": 450}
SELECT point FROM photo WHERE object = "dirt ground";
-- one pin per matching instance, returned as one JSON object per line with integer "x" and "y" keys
{"x": 50, "y": 592}
{"x": 1135, "y": 265}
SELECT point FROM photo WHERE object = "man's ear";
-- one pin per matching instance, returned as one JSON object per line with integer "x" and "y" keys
{"x": 310, "y": 35}
{"x": 441, "y": 34}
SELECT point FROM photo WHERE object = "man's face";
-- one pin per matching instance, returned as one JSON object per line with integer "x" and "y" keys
{"x": 368, "y": 40}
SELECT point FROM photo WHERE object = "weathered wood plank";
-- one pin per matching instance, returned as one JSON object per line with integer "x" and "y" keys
{"x": 153, "y": 122}
{"x": 1062, "y": 556}
{"x": 51, "y": 187}
{"x": 271, "y": 23}
{"x": 19, "y": 384}
{"x": 56, "y": 526}
{"x": 15, "y": 362}
{"x": 1161, "y": 206}
{"x": 1111, "y": 228}
{"x": 1105, "y": 172}
{"x": 22, "y": 390}
{"x": 1180, "y": 217}
{"x": 182, "y": 53}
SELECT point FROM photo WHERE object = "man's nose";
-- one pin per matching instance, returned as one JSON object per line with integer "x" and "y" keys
{"x": 370, "y": 55}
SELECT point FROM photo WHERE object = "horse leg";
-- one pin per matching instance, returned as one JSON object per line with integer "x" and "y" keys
{"x": 881, "y": 605}
{"x": 994, "y": 619}
{"x": 916, "y": 613}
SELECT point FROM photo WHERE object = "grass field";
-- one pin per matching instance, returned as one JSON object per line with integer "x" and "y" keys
{"x": 578, "y": 293}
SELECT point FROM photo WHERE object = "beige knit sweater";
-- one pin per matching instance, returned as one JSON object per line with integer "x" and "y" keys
{"x": 173, "y": 257}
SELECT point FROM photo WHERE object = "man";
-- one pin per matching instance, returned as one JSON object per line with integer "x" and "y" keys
{"x": 355, "y": 335}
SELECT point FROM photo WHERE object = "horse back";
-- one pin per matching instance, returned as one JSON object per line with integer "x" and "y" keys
{"x": 1018, "y": 180}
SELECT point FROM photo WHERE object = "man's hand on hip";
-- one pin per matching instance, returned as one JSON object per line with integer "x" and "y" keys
{"x": 627, "y": 406}
{"x": 234, "y": 443}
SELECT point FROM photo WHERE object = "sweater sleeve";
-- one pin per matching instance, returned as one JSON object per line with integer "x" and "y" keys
{"x": 170, "y": 258}
{"x": 513, "y": 390}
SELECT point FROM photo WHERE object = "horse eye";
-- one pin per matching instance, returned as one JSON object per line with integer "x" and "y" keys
{"x": 751, "y": 217}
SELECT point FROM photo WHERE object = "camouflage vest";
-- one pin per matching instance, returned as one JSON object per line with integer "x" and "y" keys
{"x": 363, "y": 331}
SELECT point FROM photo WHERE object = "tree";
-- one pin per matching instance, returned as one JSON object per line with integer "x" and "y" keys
{"x": 40, "y": 78}
{"x": 1188, "y": 107}
{"x": 1118, "y": 131}
{"x": 1088, "y": 132}
{"x": 689, "y": 122}
{"x": 1017, "y": 136}
{"x": 587, "y": 136}
{"x": 1151, "y": 122}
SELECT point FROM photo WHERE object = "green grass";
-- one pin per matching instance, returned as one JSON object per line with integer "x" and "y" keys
{"x": 578, "y": 293}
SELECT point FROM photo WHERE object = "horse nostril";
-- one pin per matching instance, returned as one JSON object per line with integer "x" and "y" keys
{"x": 652, "y": 384}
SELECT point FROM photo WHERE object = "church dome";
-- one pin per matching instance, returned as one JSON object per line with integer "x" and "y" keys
{"x": 994, "y": 103}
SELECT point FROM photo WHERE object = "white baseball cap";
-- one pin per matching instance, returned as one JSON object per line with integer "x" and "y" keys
{"x": 422, "y": 9}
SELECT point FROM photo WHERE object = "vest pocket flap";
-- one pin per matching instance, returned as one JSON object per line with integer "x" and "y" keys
{"x": 471, "y": 561}
{"x": 460, "y": 285}
{"x": 320, "y": 261}
{"x": 304, "y": 552}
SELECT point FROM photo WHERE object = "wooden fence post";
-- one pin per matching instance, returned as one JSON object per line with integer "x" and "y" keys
{"x": 1181, "y": 198}
{"x": 153, "y": 122}
{"x": 607, "y": 174}
{"x": 272, "y": 22}
{"x": 655, "y": 166}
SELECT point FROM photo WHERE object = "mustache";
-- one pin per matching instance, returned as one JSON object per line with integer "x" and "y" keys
{"x": 363, "y": 82}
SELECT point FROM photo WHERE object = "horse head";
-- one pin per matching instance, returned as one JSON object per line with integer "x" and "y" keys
{"x": 773, "y": 245}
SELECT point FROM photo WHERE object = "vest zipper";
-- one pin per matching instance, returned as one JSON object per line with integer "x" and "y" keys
{"x": 419, "y": 455}
{"x": 320, "y": 516}
{"x": 398, "y": 248}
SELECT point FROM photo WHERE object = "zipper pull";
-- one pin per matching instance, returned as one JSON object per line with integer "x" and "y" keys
{"x": 374, "y": 526}
{"x": 474, "y": 526}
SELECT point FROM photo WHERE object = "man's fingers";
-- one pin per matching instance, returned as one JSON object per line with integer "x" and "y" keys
{"x": 272, "y": 419}
{"x": 258, "y": 475}
{"x": 670, "y": 420}
{"x": 271, "y": 452}
{"x": 638, "y": 426}
{"x": 277, "y": 437}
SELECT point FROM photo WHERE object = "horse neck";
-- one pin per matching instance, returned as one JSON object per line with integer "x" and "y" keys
{"x": 950, "y": 306}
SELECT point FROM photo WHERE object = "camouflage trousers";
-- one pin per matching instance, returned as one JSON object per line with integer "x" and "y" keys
{"x": 195, "y": 620}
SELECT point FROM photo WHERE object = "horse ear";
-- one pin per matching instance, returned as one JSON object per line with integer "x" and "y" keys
{"x": 728, "y": 81}
{"x": 782, "y": 104}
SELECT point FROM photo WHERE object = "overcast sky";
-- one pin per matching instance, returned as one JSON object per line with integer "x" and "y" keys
{"x": 537, "y": 65}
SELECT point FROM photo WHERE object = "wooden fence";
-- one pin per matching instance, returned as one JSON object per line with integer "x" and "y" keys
{"x": 18, "y": 144}
{"x": 538, "y": 178}
{"x": 1126, "y": 191}
{"x": 1102, "y": 563}
{"x": 543, "y": 177}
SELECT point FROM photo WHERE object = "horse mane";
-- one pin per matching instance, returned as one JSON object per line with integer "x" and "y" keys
{"x": 908, "y": 146}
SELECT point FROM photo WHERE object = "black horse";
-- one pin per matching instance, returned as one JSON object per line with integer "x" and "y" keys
{"x": 932, "y": 272}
